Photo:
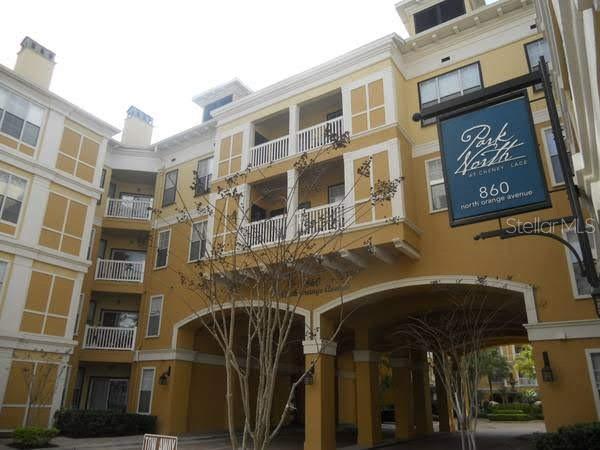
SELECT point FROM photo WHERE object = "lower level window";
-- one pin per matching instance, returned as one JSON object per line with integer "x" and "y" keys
{"x": 581, "y": 286}
{"x": 108, "y": 394}
{"x": 12, "y": 191}
{"x": 435, "y": 181}
{"x": 594, "y": 366}
{"x": 146, "y": 385}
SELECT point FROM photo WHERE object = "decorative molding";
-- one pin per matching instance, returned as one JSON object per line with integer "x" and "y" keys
{"x": 425, "y": 148}
{"x": 564, "y": 330}
{"x": 33, "y": 342}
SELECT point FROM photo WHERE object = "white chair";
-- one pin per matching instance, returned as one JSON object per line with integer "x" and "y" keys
{"x": 159, "y": 442}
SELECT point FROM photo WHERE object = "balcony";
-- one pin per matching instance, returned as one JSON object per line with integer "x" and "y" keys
{"x": 320, "y": 219}
{"x": 319, "y": 135}
{"x": 138, "y": 209}
{"x": 266, "y": 231}
{"x": 115, "y": 270}
{"x": 109, "y": 338}
{"x": 270, "y": 151}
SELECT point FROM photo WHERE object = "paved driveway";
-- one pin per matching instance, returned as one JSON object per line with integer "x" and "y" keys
{"x": 491, "y": 436}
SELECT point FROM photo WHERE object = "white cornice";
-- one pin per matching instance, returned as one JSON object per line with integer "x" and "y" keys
{"x": 46, "y": 255}
{"x": 569, "y": 329}
{"x": 53, "y": 101}
{"x": 32, "y": 342}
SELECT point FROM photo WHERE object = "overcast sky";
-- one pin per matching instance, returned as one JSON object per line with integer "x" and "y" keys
{"x": 156, "y": 55}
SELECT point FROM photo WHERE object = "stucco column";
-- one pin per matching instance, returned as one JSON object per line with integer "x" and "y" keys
{"x": 319, "y": 421}
{"x": 368, "y": 413}
{"x": 294, "y": 126}
{"x": 179, "y": 396}
{"x": 446, "y": 417}
{"x": 293, "y": 186}
{"x": 422, "y": 395}
{"x": 402, "y": 391}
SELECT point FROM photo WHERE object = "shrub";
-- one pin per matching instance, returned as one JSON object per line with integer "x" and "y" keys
{"x": 576, "y": 437}
{"x": 511, "y": 416}
{"x": 82, "y": 423}
{"x": 33, "y": 437}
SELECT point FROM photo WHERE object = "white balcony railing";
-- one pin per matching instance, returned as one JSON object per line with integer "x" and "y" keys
{"x": 265, "y": 231}
{"x": 129, "y": 209}
{"x": 113, "y": 270}
{"x": 270, "y": 151}
{"x": 317, "y": 135}
{"x": 320, "y": 219}
{"x": 109, "y": 338}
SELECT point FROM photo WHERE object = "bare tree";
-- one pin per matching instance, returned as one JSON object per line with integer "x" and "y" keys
{"x": 253, "y": 277}
{"x": 455, "y": 337}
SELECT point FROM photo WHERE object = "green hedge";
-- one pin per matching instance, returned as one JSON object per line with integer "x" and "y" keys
{"x": 535, "y": 412}
{"x": 33, "y": 437}
{"x": 508, "y": 417}
{"x": 585, "y": 436}
{"x": 82, "y": 423}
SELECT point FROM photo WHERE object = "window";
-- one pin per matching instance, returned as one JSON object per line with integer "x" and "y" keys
{"x": 78, "y": 153}
{"x": 162, "y": 249}
{"x": 594, "y": 368}
{"x": 581, "y": 287}
{"x": 76, "y": 402}
{"x": 435, "y": 185}
{"x": 437, "y": 14}
{"x": 203, "y": 176}
{"x": 90, "y": 245}
{"x": 102, "y": 179}
{"x": 3, "y": 268}
{"x": 557, "y": 174}
{"x": 208, "y": 109}
{"x": 146, "y": 384}
{"x": 102, "y": 249}
{"x": 78, "y": 317}
{"x": 449, "y": 85}
{"x": 91, "y": 313}
{"x": 108, "y": 394}
{"x": 534, "y": 50}
{"x": 198, "y": 241}
{"x": 12, "y": 191}
{"x": 119, "y": 319}
{"x": 154, "y": 313}
{"x": 19, "y": 118}
{"x": 170, "y": 190}
{"x": 336, "y": 193}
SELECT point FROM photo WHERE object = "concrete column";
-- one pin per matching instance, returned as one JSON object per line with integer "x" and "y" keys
{"x": 368, "y": 412}
{"x": 402, "y": 389}
{"x": 294, "y": 128}
{"x": 319, "y": 422}
{"x": 422, "y": 395}
{"x": 16, "y": 290}
{"x": 292, "y": 203}
{"x": 446, "y": 416}
{"x": 179, "y": 396}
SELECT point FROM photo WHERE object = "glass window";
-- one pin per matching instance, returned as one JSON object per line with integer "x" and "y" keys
{"x": 582, "y": 287}
{"x": 203, "y": 176}
{"x": 595, "y": 358}
{"x": 336, "y": 193}
{"x": 534, "y": 51}
{"x": 437, "y": 190}
{"x": 12, "y": 192}
{"x": 449, "y": 85}
{"x": 3, "y": 267}
{"x": 12, "y": 125}
{"x": 30, "y": 133}
{"x": 437, "y": 14}
{"x": 162, "y": 249}
{"x": 154, "y": 313}
{"x": 170, "y": 190}
{"x": 19, "y": 118}
{"x": 198, "y": 242}
{"x": 146, "y": 385}
{"x": 557, "y": 174}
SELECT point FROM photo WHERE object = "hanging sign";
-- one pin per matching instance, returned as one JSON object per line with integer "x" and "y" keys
{"x": 491, "y": 161}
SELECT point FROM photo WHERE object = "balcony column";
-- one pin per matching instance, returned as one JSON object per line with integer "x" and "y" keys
{"x": 422, "y": 394}
{"x": 319, "y": 422}
{"x": 294, "y": 128}
{"x": 293, "y": 186}
{"x": 402, "y": 391}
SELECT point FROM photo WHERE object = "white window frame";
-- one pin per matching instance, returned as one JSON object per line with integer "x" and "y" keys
{"x": 163, "y": 204}
{"x": 168, "y": 230}
{"x": 10, "y": 177}
{"x": 209, "y": 175}
{"x": 190, "y": 260}
{"x": 576, "y": 295}
{"x": 549, "y": 159}
{"x": 160, "y": 313}
{"x": 153, "y": 369}
{"x": 431, "y": 183}
{"x": 595, "y": 390}
{"x": 30, "y": 104}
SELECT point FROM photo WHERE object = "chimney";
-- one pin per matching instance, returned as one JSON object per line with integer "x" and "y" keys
{"x": 35, "y": 63}
{"x": 137, "y": 129}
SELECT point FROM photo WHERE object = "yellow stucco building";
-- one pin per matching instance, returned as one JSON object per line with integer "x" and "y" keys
{"x": 89, "y": 275}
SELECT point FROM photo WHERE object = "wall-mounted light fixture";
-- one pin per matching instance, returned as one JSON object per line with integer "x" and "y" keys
{"x": 164, "y": 378}
{"x": 309, "y": 377}
{"x": 547, "y": 374}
